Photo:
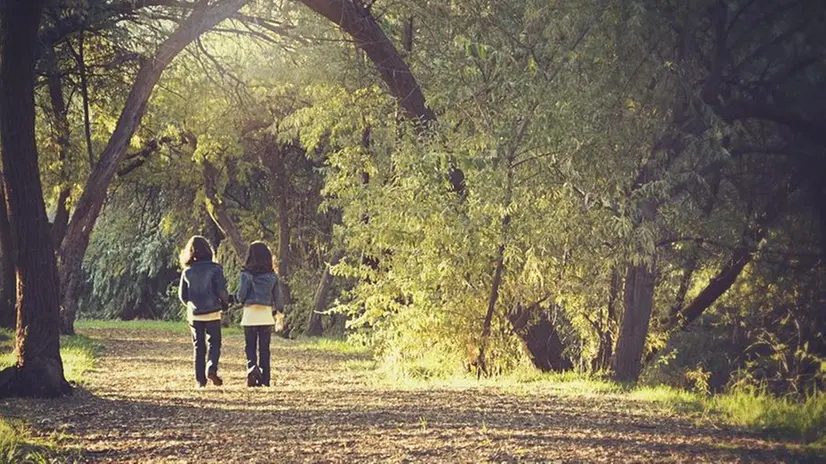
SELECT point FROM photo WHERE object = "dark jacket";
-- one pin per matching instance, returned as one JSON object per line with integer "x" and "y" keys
{"x": 260, "y": 289}
{"x": 203, "y": 287}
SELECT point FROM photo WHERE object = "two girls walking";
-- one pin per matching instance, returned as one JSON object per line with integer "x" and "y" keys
{"x": 203, "y": 290}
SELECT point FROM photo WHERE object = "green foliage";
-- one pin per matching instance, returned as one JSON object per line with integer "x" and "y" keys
{"x": 170, "y": 326}
{"x": 131, "y": 262}
{"x": 332, "y": 345}
{"x": 77, "y": 351}
{"x": 18, "y": 446}
{"x": 591, "y": 138}
{"x": 802, "y": 420}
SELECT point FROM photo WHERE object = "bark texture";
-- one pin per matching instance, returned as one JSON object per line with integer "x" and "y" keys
{"x": 638, "y": 303}
{"x": 8, "y": 314}
{"x": 61, "y": 135}
{"x": 39, "y": 369}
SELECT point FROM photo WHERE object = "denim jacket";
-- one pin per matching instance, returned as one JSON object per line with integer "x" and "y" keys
{"x": 203, "y": 287}
{"x": 260, "y": 289}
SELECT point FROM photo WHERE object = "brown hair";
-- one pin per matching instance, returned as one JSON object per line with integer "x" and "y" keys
{"x": 196, "y": 249}
{"x": 259, "y": 259}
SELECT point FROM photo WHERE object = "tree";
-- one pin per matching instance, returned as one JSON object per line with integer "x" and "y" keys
{"x": 88, "y": 207}
{"x": 39, "y": 369}
{"x": 8, "y": 313}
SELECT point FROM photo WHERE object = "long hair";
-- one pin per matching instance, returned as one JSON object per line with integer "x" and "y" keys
{"x": 196, "y": 249}
{"x": 259, "y": 259}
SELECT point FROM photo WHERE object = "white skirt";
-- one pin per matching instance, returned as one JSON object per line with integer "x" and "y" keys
{"x": 257, "y": 314}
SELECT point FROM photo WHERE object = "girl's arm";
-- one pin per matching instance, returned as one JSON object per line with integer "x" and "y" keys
{"x": 243, "y": 288}
{"x": 277, "y": 297}
{"x": 183, "y": 290}
{"x": 220, "y": 286}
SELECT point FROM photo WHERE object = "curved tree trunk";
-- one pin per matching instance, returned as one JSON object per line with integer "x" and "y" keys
{"x": 356, "y": 20}
{"x": 39, "y": 369}
{"x": 89, "y": 205}
{"x": 219, "y": 214}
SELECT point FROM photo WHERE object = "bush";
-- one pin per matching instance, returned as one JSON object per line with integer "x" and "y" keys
{"x": 801, "y": 419}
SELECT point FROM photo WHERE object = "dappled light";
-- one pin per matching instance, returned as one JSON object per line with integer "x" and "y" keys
{"x": 139, "y": 405}
{"x": 412, "y": 230}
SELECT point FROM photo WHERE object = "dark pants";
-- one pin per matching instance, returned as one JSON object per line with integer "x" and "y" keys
{"x": 258, "y": 336}
{"x": 206, "y": 336}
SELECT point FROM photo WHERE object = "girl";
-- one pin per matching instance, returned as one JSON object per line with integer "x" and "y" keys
{"x": 204, "y": 292}
{"x": 259, "y": 294}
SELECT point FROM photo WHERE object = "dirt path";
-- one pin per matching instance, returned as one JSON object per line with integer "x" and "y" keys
{"x": 140, "y": 406}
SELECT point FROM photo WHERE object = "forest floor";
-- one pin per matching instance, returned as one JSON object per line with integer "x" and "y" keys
{"x": 139, "y": 404}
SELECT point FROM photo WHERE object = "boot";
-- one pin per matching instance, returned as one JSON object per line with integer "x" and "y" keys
{"x": 254, "y": 377}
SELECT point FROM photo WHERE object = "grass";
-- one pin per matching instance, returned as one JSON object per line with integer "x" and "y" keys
{"x": 802, "y": 421}
{"x": 16, "y": 441}
{"x": 357, "y": 365}
{"x": 17, "y": 445}
{"x": 143, "y": 324}
{"x": 332, "y": 345}
{"x": 779, "y": 417}
{"x": 78, "y": 353}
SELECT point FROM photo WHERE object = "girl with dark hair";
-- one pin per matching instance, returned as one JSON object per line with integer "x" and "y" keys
{"x": 203, "y": 290}
{"x": 260, "y": 296}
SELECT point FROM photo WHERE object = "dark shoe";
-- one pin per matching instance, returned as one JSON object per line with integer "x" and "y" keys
{"x": 217, "y": 381}
{"x": 200, "y": 385}
{"x": 254, "y": 377}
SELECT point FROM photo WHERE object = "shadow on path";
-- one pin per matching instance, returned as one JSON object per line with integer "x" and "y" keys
{"x": 140, "y": 406}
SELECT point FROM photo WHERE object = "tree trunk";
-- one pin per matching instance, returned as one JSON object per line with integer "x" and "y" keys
{"x": 638, "y": 302}
{"x": 62, "y": 140}
{"x": 8, "y": 314}
{"x": 541, "y": 339}
{"x": 89, "y": 205}
{"x": 84, "y": 93}
{"x": 355, "y": 20}
{"x": 510, "y": 156}
{"x": 277, "y": 164}
{"x": 219, "y": 214}
{"x": 719, "y": 284}
{"x": 481, "y": 365}
{"x": 605, "y": 351}
{"x": 314, "y": 326}
{"x": 284, "y": 240}
{"x": 39, "y": 369}
{"x": 742, "y": 255}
